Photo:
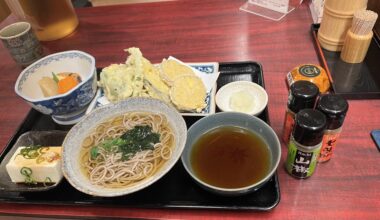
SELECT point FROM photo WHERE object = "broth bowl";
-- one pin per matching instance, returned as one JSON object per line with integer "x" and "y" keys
{"x": 67, "y": 108}
{"x": 234, "y": 119}
{"x": 71, "y": 155}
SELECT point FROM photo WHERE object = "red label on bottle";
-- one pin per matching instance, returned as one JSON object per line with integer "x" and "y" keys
{"x": 328, "y": 145}
{"x": 288, "y": 127}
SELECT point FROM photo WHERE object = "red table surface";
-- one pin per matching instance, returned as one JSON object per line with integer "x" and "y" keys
{"x": 348, "y": 186}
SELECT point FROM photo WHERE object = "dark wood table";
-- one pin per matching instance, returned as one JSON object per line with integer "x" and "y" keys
{"x": 346, "y": 187}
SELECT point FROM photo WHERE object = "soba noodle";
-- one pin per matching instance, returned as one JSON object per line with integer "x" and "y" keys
{"x": 109, "y": 168}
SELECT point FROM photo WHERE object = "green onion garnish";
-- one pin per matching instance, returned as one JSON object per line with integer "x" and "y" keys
{"x": 55, "y": 78}
{"x": 30, "y": 152}
{"x": 47, "y": 180}
{"x": 27, "y": 172}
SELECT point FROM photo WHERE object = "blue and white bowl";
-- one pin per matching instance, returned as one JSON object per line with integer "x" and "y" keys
{"x": 66, "y": 108}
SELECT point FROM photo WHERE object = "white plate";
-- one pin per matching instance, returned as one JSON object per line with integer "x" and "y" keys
{"x": 259, "y": 96}
{"x": 202, "y": 68}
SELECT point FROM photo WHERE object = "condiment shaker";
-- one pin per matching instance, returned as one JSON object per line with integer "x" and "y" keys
{"x": 305, "y": 143}
{"x": 335, "y": 108}
{"x": 302, "y": 94}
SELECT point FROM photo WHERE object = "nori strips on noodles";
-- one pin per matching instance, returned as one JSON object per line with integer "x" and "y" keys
{"x": 138, "y": 139}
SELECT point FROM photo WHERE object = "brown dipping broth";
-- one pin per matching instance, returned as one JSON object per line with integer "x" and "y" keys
{"x": 230, "y": 157}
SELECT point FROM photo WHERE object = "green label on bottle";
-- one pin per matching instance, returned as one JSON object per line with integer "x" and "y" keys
{"x": 300, "y": 163}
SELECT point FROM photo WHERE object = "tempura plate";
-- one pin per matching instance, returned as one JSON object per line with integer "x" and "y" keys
{"x": 203, "y": 68}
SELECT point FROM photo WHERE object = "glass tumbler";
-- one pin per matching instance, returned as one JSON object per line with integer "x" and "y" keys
{"x": 51, "y": 20}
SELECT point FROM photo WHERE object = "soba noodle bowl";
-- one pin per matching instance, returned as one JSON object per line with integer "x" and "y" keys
{"x": 112, "y": 157}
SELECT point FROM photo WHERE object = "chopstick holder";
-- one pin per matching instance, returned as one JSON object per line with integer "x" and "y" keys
{"x": 358, "y": 37}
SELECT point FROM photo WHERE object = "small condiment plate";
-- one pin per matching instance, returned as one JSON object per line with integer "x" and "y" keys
{"x": 206, "y": 69}
{"x": 255, "y": 96}
{"x": 43, "y": 138}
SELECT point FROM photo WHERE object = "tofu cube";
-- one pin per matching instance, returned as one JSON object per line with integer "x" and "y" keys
{"x": 46, "y": 165}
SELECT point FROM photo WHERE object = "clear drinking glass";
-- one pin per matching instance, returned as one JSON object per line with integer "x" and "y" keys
{"x": 50, "y": 20}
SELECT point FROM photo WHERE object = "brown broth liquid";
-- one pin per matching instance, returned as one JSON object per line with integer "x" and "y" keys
{"x": 230, "y": 157}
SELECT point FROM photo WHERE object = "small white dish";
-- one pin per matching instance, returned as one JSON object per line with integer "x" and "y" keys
{"x": 242, "y": 96}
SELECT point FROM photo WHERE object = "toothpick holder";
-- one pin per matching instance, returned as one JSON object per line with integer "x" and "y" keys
{"x": 355, "y": 47}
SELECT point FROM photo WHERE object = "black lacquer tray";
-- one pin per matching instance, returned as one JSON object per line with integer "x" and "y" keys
{"x": 175, "y": 190}
{"x": 352, "y": 81}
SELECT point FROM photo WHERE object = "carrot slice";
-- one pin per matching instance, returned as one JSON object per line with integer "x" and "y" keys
{"x": 66, "y": 84}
